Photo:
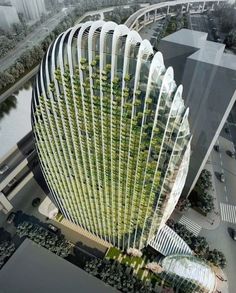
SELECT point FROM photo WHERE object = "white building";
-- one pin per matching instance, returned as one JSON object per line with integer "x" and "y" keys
{"x": 8, "y": 16}
{"x": 31, "y": 9}
{"x": 111, "y": 132}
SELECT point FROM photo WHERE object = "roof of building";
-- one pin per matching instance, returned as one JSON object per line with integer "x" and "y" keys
{"x": 209, "y": 52}
{"x": 33, "y": 268}
{"x": 192, "y": 269}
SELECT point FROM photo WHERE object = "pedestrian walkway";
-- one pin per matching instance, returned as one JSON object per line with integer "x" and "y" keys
{"x": 190, "y": 225}
{"x": 228, "y": 212}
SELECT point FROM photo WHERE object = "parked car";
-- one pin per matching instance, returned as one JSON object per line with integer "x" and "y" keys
{"x": 53, "y": 228}
{"x": 226, "y": 130}
{"x": 233, "y": 233}
{"x": 231, "y": 154}
{"x": 29, "y": 152}
{"x": 4, "y": 169}
{"x": 216, "y": 148}
{"x": 12, "y": 182}
{"x": 36, "y": 202}
{"x": 11, "y": 218}
{"x": 222, "y": 177}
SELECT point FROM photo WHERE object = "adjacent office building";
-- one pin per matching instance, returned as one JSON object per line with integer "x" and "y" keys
{"x": 111, "y": 131}
{"x": 208, "y": 76}
{"x": 32, "y": 10}
{"x": 8, "y": 17}
{"x": 33, "y": 268}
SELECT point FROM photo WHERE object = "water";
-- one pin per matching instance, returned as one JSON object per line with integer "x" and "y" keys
{"x": 15, "y": 118}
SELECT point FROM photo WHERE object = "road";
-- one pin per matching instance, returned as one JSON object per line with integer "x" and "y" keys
{"x": 220, "y": 238}
{"x": 34, "y": 38}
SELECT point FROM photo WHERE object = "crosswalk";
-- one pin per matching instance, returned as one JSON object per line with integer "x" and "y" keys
{"x": 228, "y": 212}
{"x": 190, "y": 225}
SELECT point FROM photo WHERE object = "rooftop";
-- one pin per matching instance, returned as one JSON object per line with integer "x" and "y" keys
{"x": 33, "y": 268}
{"x": 206, "y": 51}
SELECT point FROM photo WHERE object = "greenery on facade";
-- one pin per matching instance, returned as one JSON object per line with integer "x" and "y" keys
{"x": 119, "y": 146}
{"x": 43, "y": 237}
{"x": 199, "y": 245}
{"x": 200, "y": 197}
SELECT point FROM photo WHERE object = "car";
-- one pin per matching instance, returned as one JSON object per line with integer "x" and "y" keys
{"x": 231, "y": 154}
{"x": 226, "y": 130}
{"x": 11, "y": 218}
{"x": 216, "y": 148}
{"x": 36, "y": 202}
{"x": 53, "y": 228}
{"x": 12, "y": 182}
{"x": 222, "y": 177}
{"x": 234, "y": 234}
{"x": 29, "y": 152}
{"x": 4, "y": 169}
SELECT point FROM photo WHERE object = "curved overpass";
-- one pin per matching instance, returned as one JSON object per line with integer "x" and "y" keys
{"x": 154, "y": 12}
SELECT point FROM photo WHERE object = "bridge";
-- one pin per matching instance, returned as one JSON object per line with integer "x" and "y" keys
{"x": 158, "y": 11}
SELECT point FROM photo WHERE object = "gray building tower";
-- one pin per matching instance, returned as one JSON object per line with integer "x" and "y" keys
{"x": 208, "y": 76}
{"x": 8, "y": 16}
{"x": 31, "y": 9}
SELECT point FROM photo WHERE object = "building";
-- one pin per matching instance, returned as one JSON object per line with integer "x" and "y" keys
{"x": 8, "y": 17}
{"x": 189, "y": 274}
{"x": 111, "y": 132}
{"x": 33, "y": 268}
{"x": 32, "y": 10}
{"x": 208, "y": 76}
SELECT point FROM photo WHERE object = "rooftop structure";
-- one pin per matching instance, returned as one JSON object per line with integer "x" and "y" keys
{"x": 111, "y": 132}
{"x": 8, "y": 17}
{"x": 33, "y": 268}
{"x": 189, "y": 273}
{"x": 168, "y": 242}
{"x": 208, "y": 76}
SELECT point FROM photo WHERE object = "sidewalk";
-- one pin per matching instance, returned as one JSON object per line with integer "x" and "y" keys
{"x": 212, "y": 220}
{"x": 221, "y": 281}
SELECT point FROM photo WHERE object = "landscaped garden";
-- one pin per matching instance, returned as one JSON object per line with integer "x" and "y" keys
{"x": 201, "y": 198}
{"x": 138, "y": 265}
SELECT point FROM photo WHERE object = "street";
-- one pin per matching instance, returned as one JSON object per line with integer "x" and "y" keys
{"x": 225, "y": 191}
{"x": 34, "y": 38}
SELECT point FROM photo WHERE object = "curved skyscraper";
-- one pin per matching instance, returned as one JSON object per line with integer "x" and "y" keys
{"x": 111, "y": 132}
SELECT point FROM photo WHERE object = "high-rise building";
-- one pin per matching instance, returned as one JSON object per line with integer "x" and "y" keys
{"x": 31, "y": 9}
{"x": 8, "y": 16}
{"x": 111, "y": 132}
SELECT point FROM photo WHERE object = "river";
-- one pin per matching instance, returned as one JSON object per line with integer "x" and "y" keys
{"x": 15, "y": 118}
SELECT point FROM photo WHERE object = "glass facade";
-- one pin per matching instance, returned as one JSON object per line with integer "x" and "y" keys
{"x": 111, "y": 132}
{"x": 189, "y": 274}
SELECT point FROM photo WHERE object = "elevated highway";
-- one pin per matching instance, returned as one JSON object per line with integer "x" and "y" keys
{"x": 155, "y": 12}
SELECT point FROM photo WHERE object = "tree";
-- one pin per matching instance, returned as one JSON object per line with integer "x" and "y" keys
{"x": 217, "y": 258}
{"x": 6, "y": 250}
{"x": 44, "y": 238}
